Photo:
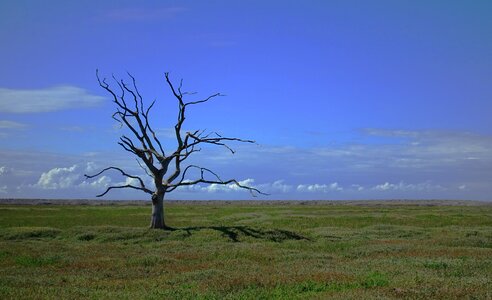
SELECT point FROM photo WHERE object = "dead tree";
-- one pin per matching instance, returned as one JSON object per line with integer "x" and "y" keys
{"x": 167, "y": 169}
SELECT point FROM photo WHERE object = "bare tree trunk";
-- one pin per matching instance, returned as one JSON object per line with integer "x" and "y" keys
{"x": 157, "y": 220}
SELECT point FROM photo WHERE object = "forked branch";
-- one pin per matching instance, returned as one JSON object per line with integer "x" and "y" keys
{"x": 216, "y": 180}
{"x": 142, "y": 186}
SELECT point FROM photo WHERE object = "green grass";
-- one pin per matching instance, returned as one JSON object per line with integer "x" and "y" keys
{"x": 247, "y": 252}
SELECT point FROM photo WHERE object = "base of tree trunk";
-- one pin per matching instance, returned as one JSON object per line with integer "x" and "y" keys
{"x": 157, "y": 219}
{"x": 155, "y": 224}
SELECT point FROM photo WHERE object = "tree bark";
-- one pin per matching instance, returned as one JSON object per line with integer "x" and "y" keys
{"x": 157, "y": 220}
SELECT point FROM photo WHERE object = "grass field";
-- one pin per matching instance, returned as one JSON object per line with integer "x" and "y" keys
{"x": 247, "y": 251}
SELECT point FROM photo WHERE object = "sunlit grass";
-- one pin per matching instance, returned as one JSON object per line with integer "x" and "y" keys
{"x": 247, "y": 252}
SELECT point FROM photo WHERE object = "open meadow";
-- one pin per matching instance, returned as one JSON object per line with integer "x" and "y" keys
{"x": 248, "y": 250}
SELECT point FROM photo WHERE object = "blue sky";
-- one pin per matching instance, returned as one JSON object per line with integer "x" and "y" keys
{"x": 346, "y": 99}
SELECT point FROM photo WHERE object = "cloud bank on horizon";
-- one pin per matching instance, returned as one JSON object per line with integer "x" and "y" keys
{"x": 430, "y": 164}
{"x": 346, "y": 100}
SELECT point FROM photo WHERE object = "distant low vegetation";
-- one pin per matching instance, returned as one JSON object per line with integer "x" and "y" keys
{"x": 247, "y": 251}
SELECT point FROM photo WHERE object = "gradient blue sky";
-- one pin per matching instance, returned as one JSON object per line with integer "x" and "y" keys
{"x": 346, "y": 99}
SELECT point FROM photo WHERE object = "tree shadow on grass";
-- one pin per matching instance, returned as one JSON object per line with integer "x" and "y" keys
{"x": 235, "y": 233}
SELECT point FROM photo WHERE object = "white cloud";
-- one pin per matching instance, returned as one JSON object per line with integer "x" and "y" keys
{"x": 100, "y": 183}
{"x": 69, "y": 177}
{"x": 91, "y": 167}
{"x": 3, "y": 170}
{"x": 59, "y": 178}
{"x": 11, "y": 125}
{"x": 214, "y": 188}
{"x": 130, "y": 181}
{"x": 278, "y": 186}
{"x": 385, "y": 186}
{"x": 401, "y": 186}
{"x": 357, "y": 187}
{"x": 316, "y": 188}
{"x": 46, "y": 100}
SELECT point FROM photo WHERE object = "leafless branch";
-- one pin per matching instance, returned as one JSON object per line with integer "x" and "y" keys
{"x": 142, "y": 185}
{"x": 216, "y": 180}
{"x": 204, "y": 100}
{"x": 219, "y": 141}
{"x": 125, "y": 186}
